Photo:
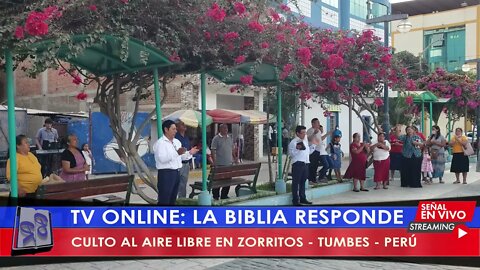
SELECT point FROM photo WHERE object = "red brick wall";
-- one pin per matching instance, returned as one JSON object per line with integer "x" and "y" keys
{"x": 26, "y": 86}
{"x": 61, "y": 83}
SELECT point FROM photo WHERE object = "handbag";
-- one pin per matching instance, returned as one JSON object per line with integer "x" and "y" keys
{"x": 434, "y": 154}
{"x": 468, "y": 150}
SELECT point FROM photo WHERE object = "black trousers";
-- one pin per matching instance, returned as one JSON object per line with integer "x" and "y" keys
{"x": 168, "y": 183}
{"x": 216, "y": 193}
{"x": 411, "y": 172}
{"x": 299, "y": 176}
{"x": 313, "y": 166}
{"x": 46, "y": 163}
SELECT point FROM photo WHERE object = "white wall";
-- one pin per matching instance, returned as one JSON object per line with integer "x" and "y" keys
{"x": 232, "y": 102}
{"x": 220, "y": 97}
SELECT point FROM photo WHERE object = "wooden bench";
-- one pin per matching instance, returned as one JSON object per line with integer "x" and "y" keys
{"x": 78, "y": 190}
{"x": 226, "y": 176}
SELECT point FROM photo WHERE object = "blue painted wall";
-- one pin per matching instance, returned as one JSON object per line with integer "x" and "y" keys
{"x": 102, "y": 136}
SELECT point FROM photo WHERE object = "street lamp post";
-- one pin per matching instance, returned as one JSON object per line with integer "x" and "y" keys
{"x": 405, "y": 27}
{"x": 477, "y": 112}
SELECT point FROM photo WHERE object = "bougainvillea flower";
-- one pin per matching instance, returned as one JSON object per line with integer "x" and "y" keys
{"x": 239, "y": 8}
{"x": 284, "y": 8}
{"x": 305, "y": 55}
{"x": 411, "y": 85}
{"x": 81, "y": 96}
{"x": 378, "y": 102}
{"x": 355, "y": 89}
{"x": 334, "y": 61}
{"x": 77, "y": 79}
{"x": 247, "y": 79}
{"x": 230, "y": 36}
{"x": 216, "y": 13}
{"x": 409, "y": 100}
{"x": 458, "y": 91}
{"x": 19, "y": 33}
{"x": 240, "y": 59}
{"x": 256, "y": 26}
{"x": 35, "y": 24}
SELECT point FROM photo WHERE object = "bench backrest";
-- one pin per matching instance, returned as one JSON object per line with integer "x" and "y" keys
{"x": 77, "y": 190}
{"x": 227, "y": 172}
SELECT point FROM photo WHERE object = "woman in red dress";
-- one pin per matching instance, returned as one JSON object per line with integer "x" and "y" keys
{"x": 357, "y": 169}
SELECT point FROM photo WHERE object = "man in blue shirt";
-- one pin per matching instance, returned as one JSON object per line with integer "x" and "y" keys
{"x": 186, "y": 159}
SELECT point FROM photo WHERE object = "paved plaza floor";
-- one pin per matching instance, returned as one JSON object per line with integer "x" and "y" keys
{"x": 397, "y": 193}
{"x": 243, "y": 264}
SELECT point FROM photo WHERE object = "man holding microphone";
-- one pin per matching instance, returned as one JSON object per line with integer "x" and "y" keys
{"x": 168, "y": 158}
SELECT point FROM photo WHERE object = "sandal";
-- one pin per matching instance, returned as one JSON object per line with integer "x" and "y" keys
{"x": 363, "y": 189}
{"x": 385, "y": 187}
{"x": 356, "y": 190}
{"x": 457, "y": 182}
{"x": 376, "y": 188}
{"x": 464, "y": 182}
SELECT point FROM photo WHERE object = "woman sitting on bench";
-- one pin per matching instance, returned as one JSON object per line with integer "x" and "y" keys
{"x": 29, "y": 175}
{"x": 74, "y": 165}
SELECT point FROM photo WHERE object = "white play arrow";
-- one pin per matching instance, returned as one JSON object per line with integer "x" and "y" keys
{"x": 461, "y": 233}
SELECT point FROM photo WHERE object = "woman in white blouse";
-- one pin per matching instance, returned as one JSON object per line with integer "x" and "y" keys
{"x": 381, "y": 161}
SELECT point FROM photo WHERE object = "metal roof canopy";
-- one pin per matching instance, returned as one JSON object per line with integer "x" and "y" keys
{"x": 263, "y": 74}
{"x": 46, "y": 113}
{"x": 426, "y": 97}
{"x": 103, "y": 59}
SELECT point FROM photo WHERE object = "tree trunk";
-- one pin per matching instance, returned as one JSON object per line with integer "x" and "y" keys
{"x": 109, "y": 102}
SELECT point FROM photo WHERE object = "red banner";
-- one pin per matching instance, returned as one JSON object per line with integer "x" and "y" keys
{"x": 255, "y": 242}
{"x": 445, "y": 211}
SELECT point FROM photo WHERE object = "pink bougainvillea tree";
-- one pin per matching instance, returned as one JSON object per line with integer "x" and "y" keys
{"x": 201, "y": 35}
{"x": 460, "y": 90}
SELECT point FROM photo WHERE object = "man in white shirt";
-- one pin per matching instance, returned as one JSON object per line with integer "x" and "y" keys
{"x": 320, "y": 156}
{"x": 168, "y": 153}
{"x": 299, "y": 151}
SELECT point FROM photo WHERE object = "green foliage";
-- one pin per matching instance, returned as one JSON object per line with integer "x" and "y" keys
{"x": 459, "y": 89}
{"x": 417, "y": 67}
{"x": 400, "y": 112}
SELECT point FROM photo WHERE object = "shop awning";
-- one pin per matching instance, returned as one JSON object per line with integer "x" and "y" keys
{"x": 47, "y": 113}
{"x": 238, "y": 116}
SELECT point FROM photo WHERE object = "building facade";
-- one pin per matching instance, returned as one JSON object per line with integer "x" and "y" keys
{"x": 444, "y": 39}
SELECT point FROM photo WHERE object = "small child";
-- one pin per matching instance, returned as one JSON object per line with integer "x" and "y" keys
{"x": 87, "y": 154}
{"x": 335, "y": 149}
{"x": 427, "y": 167}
